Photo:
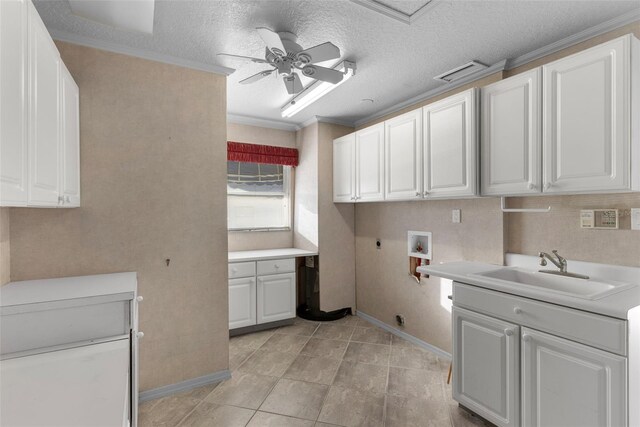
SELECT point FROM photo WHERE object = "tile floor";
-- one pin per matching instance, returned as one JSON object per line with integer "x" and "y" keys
{"x": 343, "y": 373}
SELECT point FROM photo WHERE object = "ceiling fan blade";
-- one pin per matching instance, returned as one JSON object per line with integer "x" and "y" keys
{"x": 272, "y": 40}
{"x": 320, "y": 53}
{"x": 293, "y": 83}
{"x": 322, "y": 73}
{"x": 258, "y": 60}
{"x": 261, "y": 75}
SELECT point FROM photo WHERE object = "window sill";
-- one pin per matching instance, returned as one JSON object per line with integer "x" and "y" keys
{"x": 253, "y": 230}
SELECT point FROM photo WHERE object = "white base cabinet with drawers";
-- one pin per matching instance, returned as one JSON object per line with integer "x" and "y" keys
{"x": 518, "y": 361}
{"x": 69, "y": 351}
{"x": 261, "y": 292}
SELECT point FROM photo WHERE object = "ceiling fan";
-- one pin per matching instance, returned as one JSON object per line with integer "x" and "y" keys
{"x": 287, "y": 58}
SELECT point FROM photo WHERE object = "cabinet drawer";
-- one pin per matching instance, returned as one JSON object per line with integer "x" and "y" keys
{"x": 242, "y": 269}
{"x": 592, "y": 329}
{"x": 60, "y": 326}
{"x": 287, "y": 265}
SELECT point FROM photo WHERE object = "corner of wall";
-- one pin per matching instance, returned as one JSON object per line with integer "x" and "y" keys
{"x": 5, "y": 247}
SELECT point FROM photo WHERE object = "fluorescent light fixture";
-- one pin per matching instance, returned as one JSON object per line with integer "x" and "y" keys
{"x": 317, "y": 90}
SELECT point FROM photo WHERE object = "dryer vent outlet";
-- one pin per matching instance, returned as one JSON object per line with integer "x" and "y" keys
{"x": 400, "y": 319}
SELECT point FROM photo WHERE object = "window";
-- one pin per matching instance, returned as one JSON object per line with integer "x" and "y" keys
{"x": 258, "y": 196}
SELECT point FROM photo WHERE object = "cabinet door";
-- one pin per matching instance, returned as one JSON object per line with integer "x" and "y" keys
{"x": 403, "y": 154}
{"x": 70, "y": 140}
{"x": 450, "y": 137}
{"x": 569, "y": 384}
{"x": 344, "y": 170}
{"x": 511, "y": 154}
{"x": 485, "y": 366}
{"x": 276, "y": 297}
{"x": 586, "y": 107}
{"x": 370, "y": 164}
{"x": 242, "y": 302}
{"x": 76, "y": 387}
{"x": 13, "y": 103}
{"x": 44, "y": 131}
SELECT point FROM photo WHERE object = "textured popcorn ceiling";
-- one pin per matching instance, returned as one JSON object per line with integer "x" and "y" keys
{"x": 395, "y": 61}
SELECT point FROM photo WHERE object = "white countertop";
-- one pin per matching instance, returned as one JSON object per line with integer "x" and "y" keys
{"x": 267, "y": 254}
{"x": 615, "y": 305}
{"x": 66, "y": 288}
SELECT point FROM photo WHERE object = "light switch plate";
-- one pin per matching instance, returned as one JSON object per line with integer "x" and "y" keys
{"x": 635, "y": 218}
{"x": 455, "y": 216}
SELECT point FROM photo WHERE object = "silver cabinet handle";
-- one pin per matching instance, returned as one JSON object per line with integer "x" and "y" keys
{"x": 508, "y": 332}
{"x": 548, "y": 185}
{"x": 139, "y": 298}
{"x": 517, "y": 310}
{"x": 425, "y": 194}
{"x": 532, "y": 186}
{"x": 526, "y": 338}
{"x": 418, "y": 194}
{"x": 140, "y": 335}
{"x": 276, "y": 266}
{"x": 67, "y": 199}
{"x": 60, "y": 200}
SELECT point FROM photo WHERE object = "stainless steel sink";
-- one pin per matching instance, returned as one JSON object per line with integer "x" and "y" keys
{"x": 581, "y": 288}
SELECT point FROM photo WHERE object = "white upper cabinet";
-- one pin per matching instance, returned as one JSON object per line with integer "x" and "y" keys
{"x": 587, "y": 119}
{"x": 39, "y": 114}
{"x": 13, "y": 103}
{"x": 70, "y": 140}
{"x": 344, "y": 168}
{"x": 403, "y": 154}
{"x": 370, "y": 164}
{"x": 450, "y": 138}
{"x": 511, "y": 162}
{"x": 44, "y": 118}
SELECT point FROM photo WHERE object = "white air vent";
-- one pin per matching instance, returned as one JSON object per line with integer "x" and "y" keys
{"x": 460, "y": 72}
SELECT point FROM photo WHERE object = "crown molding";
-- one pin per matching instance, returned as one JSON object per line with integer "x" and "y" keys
{"x": 392, "y": 13}
{"x": 137, "y": 52}
{"x": 263, "y": 123}
{"x": 589, "y": 33}
{"x": 495, "y": 68}
{"x": 320, "y": 119}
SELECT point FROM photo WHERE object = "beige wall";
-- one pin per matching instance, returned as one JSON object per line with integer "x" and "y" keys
{"x": 153, "y": 171}
{"x": 305, "y": 212}
{"x": 5, "y": 247}
{"x": 260, "y": 135}
{"x": 383, "y": 287}
{"x": 247, "y": 240}
{"x": 336, "y": 229}
{"x": 560, "y": 229}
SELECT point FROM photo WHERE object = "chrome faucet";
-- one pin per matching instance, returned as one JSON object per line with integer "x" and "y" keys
{"x": 559, "y": 262}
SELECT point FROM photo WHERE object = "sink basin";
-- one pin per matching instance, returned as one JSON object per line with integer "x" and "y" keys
{"x": 580, "y": 288}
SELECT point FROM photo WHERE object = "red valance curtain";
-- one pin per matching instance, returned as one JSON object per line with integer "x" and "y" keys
{"x": 254, "y": 153}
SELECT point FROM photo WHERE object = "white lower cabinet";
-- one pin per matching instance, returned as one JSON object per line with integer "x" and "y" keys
{"x": 242, "y": 302}
{"x": 276, "y": 297}
{"x": 509, "y": 372}
{"x": 485, "y": 376}
{"x": 569, "y": 384}
{"x": 261, "y": 292}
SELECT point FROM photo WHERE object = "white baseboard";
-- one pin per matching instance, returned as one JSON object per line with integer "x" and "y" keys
{"x": 397, "y": 332}
{"x": 184, "y": 385}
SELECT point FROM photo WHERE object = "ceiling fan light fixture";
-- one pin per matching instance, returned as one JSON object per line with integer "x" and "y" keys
{"x": 317, "y": 90}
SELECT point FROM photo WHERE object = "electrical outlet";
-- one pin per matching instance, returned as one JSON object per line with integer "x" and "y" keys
{"x": 455, "y": 216}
